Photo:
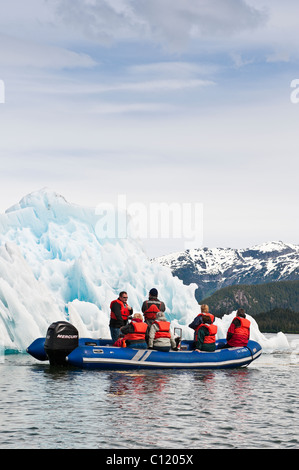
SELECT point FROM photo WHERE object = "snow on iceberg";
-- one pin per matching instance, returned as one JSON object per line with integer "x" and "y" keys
{"x": 27, "y": 307}
{"x": 55, "y": 266}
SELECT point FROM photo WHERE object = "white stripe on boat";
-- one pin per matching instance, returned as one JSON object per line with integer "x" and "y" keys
{"x": 99, "y": 360}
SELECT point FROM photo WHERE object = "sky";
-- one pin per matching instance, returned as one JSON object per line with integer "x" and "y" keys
{"x": 158, "y": 102}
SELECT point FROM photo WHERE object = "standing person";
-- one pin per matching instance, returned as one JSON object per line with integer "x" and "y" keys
{"x": 120, "y": 311}
{"x": 135, "y": 332}
{"x": 152, "y": 306}
{"x": 198, "y": 319}
{"x": 160, "y": 336}
{"x": 205, "y": 335}
{"x": 239, "y": 331}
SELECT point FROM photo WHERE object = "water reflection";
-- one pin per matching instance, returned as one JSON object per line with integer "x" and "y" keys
{"x": 175, "y": 408}
{"x": 136, "y": 383}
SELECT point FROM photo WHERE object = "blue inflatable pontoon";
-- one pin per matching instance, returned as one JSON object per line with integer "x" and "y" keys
{"x": 107, "y": 357}
{"x": 100, "y": 354}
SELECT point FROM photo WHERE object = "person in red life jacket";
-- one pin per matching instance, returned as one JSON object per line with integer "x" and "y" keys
{"x": 120, "y": 312}
{"x": 205, "y": 335}
{"x": 152, "y": 306}
{"x": 160, "y": 335}
{"x": 239, "y": 330}
{"x": 198, "y": 319}
{"x": 135, "y": 332}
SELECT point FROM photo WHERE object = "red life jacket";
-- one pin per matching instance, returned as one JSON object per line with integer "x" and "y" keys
{"x": 120, "y": 343}
{"x": 244, "y": 328}
{"x": 151, "y": 312}
{"x": 211, "y": 337}
{"x": 164, "y": 329}
{"x": 139, "y": 331}
{"x": 125, "y": 312}
{"x": 209, "y": 315}
{"x": 241, "y": 334}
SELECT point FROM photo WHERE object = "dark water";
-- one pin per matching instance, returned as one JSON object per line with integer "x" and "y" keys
{"x": 46, "y": 408}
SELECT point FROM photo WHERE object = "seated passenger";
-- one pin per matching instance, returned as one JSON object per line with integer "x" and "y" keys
{"x": 198, "y": 319}
{"x": 160, "y": 336}
{"x": 205, "y": 335}
{"x": 239, "y": 330}
{"x": 135, "y": 332}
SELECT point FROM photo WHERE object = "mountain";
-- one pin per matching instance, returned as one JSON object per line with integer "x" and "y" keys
{"x": 214, "y": 268}
{"x": 284, "y": 320}
{"x": 255, "y": 299}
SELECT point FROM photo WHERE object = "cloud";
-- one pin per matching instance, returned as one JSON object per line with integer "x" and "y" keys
{"x": 239, "y": 60}
{"x": 118, "y": 108}
{"x": 174, "y": 68}
{"x": 158, "y": 85}
{"x": 176, "y": 22}
{"x": 172, "y": 23}
{"x": 102, "y": 20}
{"x": 15, "y": 52}
{"x": 278, "y": 39}
{"x": 78, "y": 88}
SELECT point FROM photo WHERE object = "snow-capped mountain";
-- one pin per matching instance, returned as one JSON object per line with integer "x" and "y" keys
{"x": 214, "y": 268}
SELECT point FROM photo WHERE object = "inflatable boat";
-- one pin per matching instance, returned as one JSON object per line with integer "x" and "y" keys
{"x": 62, "y": 346}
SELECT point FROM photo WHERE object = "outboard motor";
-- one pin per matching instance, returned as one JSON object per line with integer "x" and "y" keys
{"x": 61, "y": 339}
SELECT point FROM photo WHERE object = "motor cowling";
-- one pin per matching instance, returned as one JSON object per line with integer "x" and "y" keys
{"x": 61, "y": 339}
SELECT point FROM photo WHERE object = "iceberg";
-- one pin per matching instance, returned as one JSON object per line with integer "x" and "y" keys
{"x": 56, "y": 265}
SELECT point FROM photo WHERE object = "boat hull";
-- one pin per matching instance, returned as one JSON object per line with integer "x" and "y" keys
{"x": 100, "y": 354}
{"x": 106, "y": 357}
